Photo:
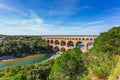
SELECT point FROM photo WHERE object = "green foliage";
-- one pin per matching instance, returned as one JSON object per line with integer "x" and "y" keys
{"x": 108, "y": 42}
{"x": 29, "y": 72}
{"x": 19, "y": 76}
{"x": 100, "y": 65}
{"x": 115, "y": 73}
{"x": 101, "y": 60}
{"x": 42, "y": 72}
{"x": 18, "y": 45}
{"x": 68, "y": 66}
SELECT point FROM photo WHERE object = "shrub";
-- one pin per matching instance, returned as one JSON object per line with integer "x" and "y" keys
{"x": 115, "y": 73}
{"x": 68, "y": 66}
{"x": 108, "y": 42}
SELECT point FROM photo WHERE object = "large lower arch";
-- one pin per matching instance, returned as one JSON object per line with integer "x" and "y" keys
{"x": 56, "y": 48}
{"x": 89, "y": 45}
{"x": 70, "y": 44}
{"x": 62, "y": 49}
{"x": 63, "y": 43}
{"x": 56, "y": 42}
{"x": 79, "y": 45}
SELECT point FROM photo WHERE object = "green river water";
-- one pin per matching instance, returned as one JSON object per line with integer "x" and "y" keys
{"x": 32, "y": 59}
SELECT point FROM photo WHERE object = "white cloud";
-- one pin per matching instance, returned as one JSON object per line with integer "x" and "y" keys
{"x": 35, "y": 25}
{"x": 3, "y": 6}
{"x": 12, "y": 9}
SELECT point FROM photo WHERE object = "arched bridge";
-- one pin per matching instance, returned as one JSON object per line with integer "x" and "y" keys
{"x": 65, "y": 43}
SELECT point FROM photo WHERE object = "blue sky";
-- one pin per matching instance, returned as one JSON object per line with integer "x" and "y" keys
{"x": 58, "y": 17}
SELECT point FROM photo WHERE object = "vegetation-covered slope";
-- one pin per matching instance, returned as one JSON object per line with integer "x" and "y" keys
{"x": 17, "y": 45}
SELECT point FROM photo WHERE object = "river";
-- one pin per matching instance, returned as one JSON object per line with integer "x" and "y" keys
{"x": 32, "y": 59}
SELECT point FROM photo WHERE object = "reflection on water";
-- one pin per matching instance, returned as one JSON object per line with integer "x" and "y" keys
{"x": 26, "y": 60}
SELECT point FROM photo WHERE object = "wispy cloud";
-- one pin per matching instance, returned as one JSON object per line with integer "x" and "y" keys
{"x": 12, "y": 9}
{"x": 35, "y": 24}
{"x": 38, "y": 26}
{"x": 3, "y": 6}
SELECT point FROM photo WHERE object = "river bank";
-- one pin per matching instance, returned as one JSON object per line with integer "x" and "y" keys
{"x": 31, "y": 59}
{"x": 11, "y": 58}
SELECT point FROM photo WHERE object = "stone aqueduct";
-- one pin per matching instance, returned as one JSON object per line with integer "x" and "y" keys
{"x": 65, "y": 43}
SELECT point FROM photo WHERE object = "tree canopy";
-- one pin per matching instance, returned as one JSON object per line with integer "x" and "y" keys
{"x": 16, "y": 45}
{"x": 108, "y": 42}
{"x": 69, "y": 66}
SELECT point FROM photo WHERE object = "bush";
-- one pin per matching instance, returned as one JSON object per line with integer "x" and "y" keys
{"x": 101, "y": 60}
{"x": 115, "y": 73}
{"x": 100, "y": 66}
{"x": 19, "y": 76}
{"x": 108, "y": 42}
{"x": 41, "y": 71}
{"x": 68, "y": 66}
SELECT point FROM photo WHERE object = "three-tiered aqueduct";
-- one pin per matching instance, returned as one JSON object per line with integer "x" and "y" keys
{"x": 65, "y": 43}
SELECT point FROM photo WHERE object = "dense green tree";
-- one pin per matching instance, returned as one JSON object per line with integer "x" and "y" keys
{"x": 108, "y": 42}
{"x": 17, "y": 45}
{"x": 101, "y": 59}
{"x": 69, "y": 66}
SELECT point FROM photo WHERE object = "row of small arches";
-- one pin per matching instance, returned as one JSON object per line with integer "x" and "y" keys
{"x": 76, "y": 38}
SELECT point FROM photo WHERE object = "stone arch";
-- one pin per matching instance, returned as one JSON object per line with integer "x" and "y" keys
{"x": 56, "y": 48}
{"x": 51, "y": 41}
{"x": 63, "y": 43}
{"x": 87, "y": 38}
{"x": 76, "y": 38}
{"x": 70, "y": 44}
{"x": 48, "y": 41}
{"x": 83, "y": 38}
{"x": 89, "y": 45}
{"x": 56, "y": 42}
{"x": 91, "y": 39}
{"x": 79, "y": 38}
{"x": 80, "y": 45}
{"x": 62, "y": 49}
